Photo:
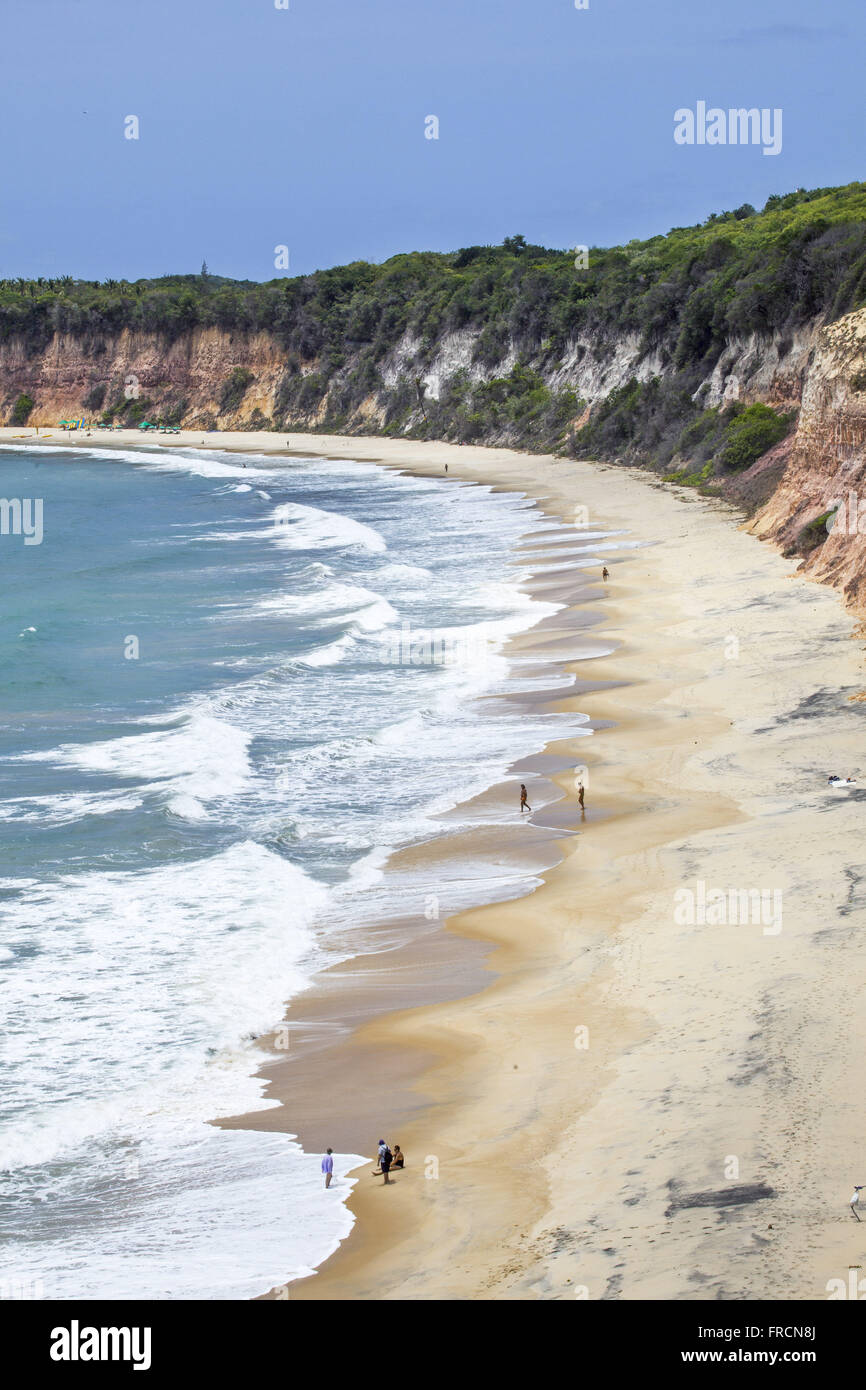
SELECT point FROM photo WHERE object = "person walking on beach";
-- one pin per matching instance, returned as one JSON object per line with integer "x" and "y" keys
{"x": 524, "y": 804}
{"x": 605, "y": 573}
{"x": 328, "y": 1167}
{"x": 580, "y": 794}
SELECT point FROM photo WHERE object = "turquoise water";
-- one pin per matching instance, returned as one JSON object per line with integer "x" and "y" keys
{"x": 228, "y": 691}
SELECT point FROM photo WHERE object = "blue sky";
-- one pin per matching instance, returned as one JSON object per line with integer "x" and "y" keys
{"x": 305, "y": 127}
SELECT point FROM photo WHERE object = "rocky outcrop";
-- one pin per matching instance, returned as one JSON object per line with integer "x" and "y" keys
{"x": 826, "y": 467}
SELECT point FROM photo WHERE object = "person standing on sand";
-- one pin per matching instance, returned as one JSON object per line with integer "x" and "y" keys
{"x": 605, "y": 573}
{"x": 385, "y": 1160}
{"x": 446, "y": 468}
{"x": 328, "y": 1167}
{"x": 524, "y": 804}
{"x": 580, "y": 794}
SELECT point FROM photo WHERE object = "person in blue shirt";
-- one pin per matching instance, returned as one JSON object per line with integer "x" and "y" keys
{"x": 328, "y": 1167}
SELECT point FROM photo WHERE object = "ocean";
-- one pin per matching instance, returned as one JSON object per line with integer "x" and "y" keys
{"x": 230, "y": 688}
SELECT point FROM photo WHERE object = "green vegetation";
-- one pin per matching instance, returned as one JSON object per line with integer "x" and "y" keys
{"x": 21, "y": 410}
{"x": 133, "y": 411}
{"x": 234, "y": 389}
{"x": 813, "y": 534}
{"x": 682, "y": 297}
{"x": 518, "y": 406}
{"x": 727, "y": 440}
{"x": 751, "y": 434}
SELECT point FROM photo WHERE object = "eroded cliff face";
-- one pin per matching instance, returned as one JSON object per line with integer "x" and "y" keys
{"x": 771, "y": 368}
{"x": 826, "y": 465}
{"x": 820, "y": 370}
{"x": 183, "y": 378}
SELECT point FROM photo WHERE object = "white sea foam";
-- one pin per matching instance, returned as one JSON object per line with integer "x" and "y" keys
{"x": 175, "y": 967}
{"x": 401, "y": 574}
{"x": 65, "y": 808}
{"x": 249, "y": 1212}
{"x": 362, "y": 609}
{"x": 199, "y": 463}
{"x": 297, "y": 527}
{"x": 197, "y": 760}
{"x": 329, "y": 654}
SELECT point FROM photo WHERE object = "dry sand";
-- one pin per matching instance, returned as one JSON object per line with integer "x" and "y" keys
{"x": 636, "y": 1106}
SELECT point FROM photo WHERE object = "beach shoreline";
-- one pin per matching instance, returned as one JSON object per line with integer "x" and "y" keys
{"x": 627, "y": 1107}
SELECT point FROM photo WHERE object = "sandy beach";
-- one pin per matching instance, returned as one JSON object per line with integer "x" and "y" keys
{"x": 617, "y": 1087}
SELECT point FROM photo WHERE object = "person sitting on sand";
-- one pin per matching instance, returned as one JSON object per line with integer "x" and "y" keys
{"x": 524, "y": 804}
{"x": 399, "y": 1157}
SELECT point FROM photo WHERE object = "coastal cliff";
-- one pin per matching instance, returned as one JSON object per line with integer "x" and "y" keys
{"x": 180, "y": 379}
{"x": 729, "y": 356}
{"x": 818, "y": 508}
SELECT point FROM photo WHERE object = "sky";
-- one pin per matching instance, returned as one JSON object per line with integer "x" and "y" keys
{"x": 306, "y": 127}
